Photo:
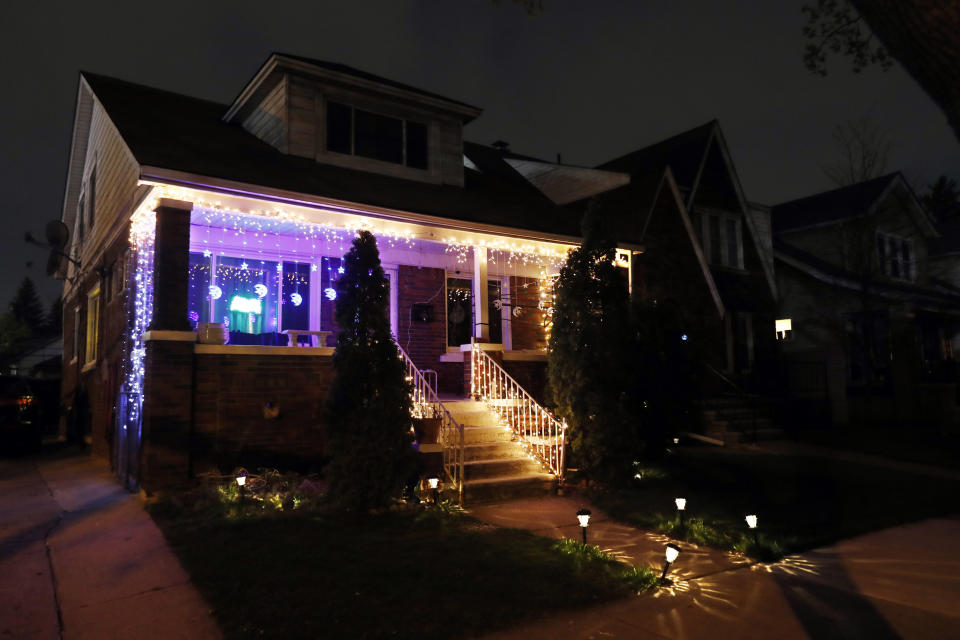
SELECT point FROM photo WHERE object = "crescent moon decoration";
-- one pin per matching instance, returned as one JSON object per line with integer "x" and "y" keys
{"x": 517, "y": 312}
{"x": 331, "y": 293}
{"x": 215, "y": 291}
{"x": 260, "y": 290}
{"x": 296, "y": 299}
{"x": 498, "y": 304}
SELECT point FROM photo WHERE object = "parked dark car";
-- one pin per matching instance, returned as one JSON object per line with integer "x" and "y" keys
{"x": 21, "y": 429}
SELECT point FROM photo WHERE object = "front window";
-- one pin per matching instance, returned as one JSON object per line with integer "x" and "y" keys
{"x": 895, "y": 255}
{"x": 460, "y": 316}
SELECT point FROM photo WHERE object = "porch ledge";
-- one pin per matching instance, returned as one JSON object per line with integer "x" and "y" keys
{"x": 170, "y": 336}
{"x": 256, "y": 350}
{"x": 523, "y": 355}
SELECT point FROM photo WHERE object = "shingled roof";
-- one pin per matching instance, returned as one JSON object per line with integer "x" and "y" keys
{"x": 171, "y": 131}
{"x": 682, "y": 152}
{"x": 829, "y": 206}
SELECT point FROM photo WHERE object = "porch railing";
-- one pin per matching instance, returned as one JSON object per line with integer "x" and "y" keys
{"x": 427, "y": 405}
{"x": 540, "y": 432}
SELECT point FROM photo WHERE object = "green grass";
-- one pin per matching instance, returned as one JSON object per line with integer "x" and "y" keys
{"x": 425, "y": 573}
{"x": 802, "y": 502}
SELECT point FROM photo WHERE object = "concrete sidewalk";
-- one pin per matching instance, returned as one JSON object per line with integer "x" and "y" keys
{"x": 902, "y": 582}
{"x": 80, "y": 558}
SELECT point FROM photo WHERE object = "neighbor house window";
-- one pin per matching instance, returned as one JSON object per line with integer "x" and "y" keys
{"x": 93, "y": 325}
{"x": 784, "y": 328}
{"x": 895, "y": 255}
{"x": 372, "y": 135}
{"x": 722, "y": 239}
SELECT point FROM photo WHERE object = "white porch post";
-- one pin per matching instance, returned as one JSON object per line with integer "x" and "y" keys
{"x": 481, "y": 308}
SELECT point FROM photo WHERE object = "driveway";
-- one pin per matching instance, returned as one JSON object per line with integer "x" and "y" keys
{"x": 80, "y": 558}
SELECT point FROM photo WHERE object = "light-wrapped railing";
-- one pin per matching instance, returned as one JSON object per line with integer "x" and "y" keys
{"x": 426, "y": 404}
{"x": 541, "y": 433}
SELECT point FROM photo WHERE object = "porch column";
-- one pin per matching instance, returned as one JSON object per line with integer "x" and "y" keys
{"x": 171, "y": 265}
{"x": 481, "y": 307}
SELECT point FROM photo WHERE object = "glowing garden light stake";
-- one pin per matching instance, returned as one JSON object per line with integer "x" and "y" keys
{"x": 583, "y": 517}
{"x": 681, "y": 507}
{"x": 752, "y": 524}
{"x": 434, "y": 483}
{"x": 672, "y": 552}
{"x": 241, "y": 483}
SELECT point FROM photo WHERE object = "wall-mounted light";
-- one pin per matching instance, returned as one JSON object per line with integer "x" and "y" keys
{"x": 784, "y": 328}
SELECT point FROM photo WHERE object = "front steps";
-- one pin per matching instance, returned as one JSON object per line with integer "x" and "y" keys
{"x": 733, "y": 420}
{"x": 495, "y": 466}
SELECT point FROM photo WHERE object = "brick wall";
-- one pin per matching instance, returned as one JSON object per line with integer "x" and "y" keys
{"x": 425, "y": 342}
{"x": 231, "y": 427}
{"x": 167, "y": 409}
{"x": 527, "y": 329}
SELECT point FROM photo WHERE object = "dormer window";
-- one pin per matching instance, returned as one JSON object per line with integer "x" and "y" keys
{"x": 722, "y": 239}
{"x": 372, "y": 135}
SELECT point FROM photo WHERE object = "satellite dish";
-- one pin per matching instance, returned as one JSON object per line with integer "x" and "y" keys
{"x": 57, "y": 235}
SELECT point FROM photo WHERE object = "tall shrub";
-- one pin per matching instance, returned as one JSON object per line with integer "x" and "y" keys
{"x": 589, "y": 368}
{"x": 369, "y": 402}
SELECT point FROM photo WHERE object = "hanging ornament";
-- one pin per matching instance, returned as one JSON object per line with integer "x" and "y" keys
{"x": 260, "y": 290}
{"x": 497, "y": 304}
{"x": 331, "y": 293}
{"x": 517, "y": 312}
{"x": 215, "y": 292}
{"x": 296, "y": 299}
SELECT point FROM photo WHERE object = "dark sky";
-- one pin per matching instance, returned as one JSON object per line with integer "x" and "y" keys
{"x": 592, "y": 80}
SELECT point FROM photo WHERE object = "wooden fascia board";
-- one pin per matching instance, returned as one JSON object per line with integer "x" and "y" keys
{"x": 698, "y": 251}
{"x": 741, "y": 198}
{"x": 79, "y": 140}
{"x": 251, "y": 88}
{"x": 700, "y": 167}
{"x": 190, "y": 180}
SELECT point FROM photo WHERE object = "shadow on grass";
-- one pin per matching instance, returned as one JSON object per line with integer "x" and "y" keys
{"x": 418, "y": 573}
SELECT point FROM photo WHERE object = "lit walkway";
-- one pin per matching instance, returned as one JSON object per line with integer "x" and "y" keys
{"x": 80, "y": 558}
{"x": 900, "y": 582}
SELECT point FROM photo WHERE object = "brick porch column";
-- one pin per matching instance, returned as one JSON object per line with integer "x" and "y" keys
{"x": 169, "y": 361}
{"x": 171, "y": 266}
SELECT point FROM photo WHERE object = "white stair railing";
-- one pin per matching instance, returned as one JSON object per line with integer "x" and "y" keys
{"x": 541, "y": 433}
{"x": 426, "y": 404}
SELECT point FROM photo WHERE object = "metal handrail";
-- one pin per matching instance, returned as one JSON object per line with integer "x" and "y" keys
{"x": 540, "y": 432}
{"x": 426, "y": 404}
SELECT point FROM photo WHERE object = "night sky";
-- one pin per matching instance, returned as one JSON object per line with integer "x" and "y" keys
{"x": 591, "y": 80}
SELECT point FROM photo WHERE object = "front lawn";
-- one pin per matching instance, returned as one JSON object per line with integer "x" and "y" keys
{"x": 417, "y": 573}
{"x": 802, "y": 502}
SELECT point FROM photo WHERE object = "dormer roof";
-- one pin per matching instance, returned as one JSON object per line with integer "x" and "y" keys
{"x": 272, "y": 70}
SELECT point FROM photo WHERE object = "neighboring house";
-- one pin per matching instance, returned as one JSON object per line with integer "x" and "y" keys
{"x": 731, "y": 238}
{"x": 867, "y": 321}
{"x": 39, "y": 357}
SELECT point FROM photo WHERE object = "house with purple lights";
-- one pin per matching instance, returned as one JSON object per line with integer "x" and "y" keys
{"x": 206, "y": 239}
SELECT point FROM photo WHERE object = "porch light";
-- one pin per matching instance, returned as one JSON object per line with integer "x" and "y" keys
{"x": 784, "y": 328}
{"x": 583, "y": 517}
{"x": 672, "y": 552}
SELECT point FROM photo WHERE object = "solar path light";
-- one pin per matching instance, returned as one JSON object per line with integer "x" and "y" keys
{"x": 583, "y": 517}
{"x": 672, "y": 552}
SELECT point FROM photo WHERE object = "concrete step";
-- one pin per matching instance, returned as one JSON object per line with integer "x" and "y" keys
{"x": 508, "y": 488}
{"x": 500, "y": 468}
{"x": 476, "y": 435}
{"x": 492, "y": 451}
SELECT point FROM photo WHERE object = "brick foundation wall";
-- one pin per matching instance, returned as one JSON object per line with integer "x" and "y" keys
{"x": 167, "y": 412}
{"x": 231, "y": 427}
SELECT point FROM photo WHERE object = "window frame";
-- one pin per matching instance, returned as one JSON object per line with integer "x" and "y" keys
{"x": 906, "y": 265}
{"x": 723, "y": 219}
{"x": 91, "y": 346}
{"x": 352, "y": 135}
